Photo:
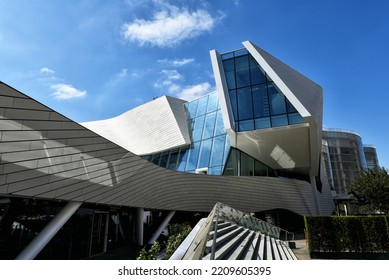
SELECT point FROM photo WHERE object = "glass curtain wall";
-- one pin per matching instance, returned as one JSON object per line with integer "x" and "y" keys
{"x": 347, "y": 157}
{"x": 256, "y": 102}
{"x": 241, "y": 164}
{"x": 210, "y": 143}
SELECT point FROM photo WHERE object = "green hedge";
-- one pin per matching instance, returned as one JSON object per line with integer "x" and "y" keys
{"x": 367, "y": 234}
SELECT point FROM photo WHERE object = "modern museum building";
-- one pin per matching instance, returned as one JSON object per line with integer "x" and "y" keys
{"x": 73, "y": 191}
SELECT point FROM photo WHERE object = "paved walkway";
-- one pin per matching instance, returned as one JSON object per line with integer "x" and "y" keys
{"x": 301, "y": 251}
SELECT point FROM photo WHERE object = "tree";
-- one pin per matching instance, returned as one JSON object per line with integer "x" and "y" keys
{"x": 371, "y": 188}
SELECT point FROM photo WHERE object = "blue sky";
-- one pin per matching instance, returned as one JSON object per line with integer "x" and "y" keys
{"x": 93, "y": 60}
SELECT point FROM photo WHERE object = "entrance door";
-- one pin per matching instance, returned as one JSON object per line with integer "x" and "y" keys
{"x": 99, "y": 233}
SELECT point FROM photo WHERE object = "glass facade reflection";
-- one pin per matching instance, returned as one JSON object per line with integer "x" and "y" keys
{"x": 371, "y": 157}
{"x": 242, "y": 164}
{"x": 210, "y": 151}
{"x": 256, "y": 102}
{"x": 346, "y": 155}
{"x": 210, "y": 143}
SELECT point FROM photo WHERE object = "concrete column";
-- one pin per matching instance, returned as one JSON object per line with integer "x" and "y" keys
{"x": 44, "y": 237}
{"x": 139, "y": 225}
{"x": 314, "y": 194}
{"x": 159, "y": 230}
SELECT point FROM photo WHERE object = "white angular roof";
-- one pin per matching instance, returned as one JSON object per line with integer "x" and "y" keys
{"x": 152, "y": 127}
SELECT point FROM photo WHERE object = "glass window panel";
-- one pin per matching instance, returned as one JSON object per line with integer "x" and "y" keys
{"x": 260, "y": 169}
{"x": 246, "y": 165}
{"x": 215, "y": 170}
{"x": 155, "y": 158}
{"x": 192, "y": 107}
{"x": 229, "y": 65}
{"x": 262, "y": 123}
{"x": 182, "y": 159}
{"x": 240, "y": 52}
{"x": 227, "y": 55}
{"x": 260, "y": 101}
{"x": 148, "y": 157}
{"x": 198, "y": 128}
{"x": 230, "y": 76}
{"x": 202, "y": 106}
{"x": 229, "y": 70}
{"x": 219, "y": 127}
{"x": 231, "y": 168}
{"x": 256, "y": 73}
{"x": 217, "y": 152}
{"x": 205, "y": 153}
{"x": 245, "y": 103}
{"x": 213, "y": 102}
{"x": 173, "y": 160}
{"x": 209, "y": 125}
{"x": 242, "y": 71}
{"x": 280, "y": 120}
{"x": 234, "y": 104}
{"x": 164, "y": 159}
{"x": 246, "y": 125}
{"x": 193, "y": 156}
{"x": 295, "y": 118}
{"x": 290, "y": 107}
{"x": 277, "y": 101}
{"x": 271, "y": 172}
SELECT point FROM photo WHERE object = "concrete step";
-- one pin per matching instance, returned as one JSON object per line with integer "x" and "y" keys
{"x": 222, "y": 231}
{"x": 244, "y": 247}
{"x": 288, "y": 252}
{"x": 281, "y": 250}
{"x": 221, "y": 225}
{"x": 274, "y": 249}
{"x": 230, "y": 246}
{"x": 222, "y": 239}
{"x": 257, "y": 249}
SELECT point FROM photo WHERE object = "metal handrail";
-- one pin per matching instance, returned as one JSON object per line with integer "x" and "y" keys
{"x": 215, "y": 233}
{"x": 249, "y": 221}
{"x": 224, "y": 212}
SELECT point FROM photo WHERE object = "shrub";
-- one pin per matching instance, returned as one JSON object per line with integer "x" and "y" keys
{"x": 347, "y": 234}
{"x": 150, "y": 254}
{"x": 177, "y": 233}
{"x": 174, "y": 240}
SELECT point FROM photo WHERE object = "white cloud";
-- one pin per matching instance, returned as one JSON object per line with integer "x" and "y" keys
{"x": 194, "y": 91}
{"x": 168, "y": 84}
{"x": 66, "y": 92}
{"x": 118, "y": 77}
{"x": 46, "y": 70}
{"x": 176, "y": 62}
{"x": 169, "y": 26}
{"x": 173, "y": 89}
{"x": 172, "y": 74}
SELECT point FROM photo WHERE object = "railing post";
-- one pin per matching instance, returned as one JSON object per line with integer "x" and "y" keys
{"x": 215, "y": 233}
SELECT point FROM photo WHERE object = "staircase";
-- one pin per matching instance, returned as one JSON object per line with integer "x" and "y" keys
{"x": 229, "y": 234}
{"x": 233, "y": 242}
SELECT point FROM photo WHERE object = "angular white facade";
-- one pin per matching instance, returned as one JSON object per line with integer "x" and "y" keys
{"x": 155, "y": 126}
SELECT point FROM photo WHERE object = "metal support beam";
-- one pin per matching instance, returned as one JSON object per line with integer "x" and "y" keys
{"x": 44, "y": 237}
{"x": 159, "y": 230}
{"x": 139, "y": 225}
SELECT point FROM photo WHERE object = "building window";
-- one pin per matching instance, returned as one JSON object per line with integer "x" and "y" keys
{"x": 254, "y": 96}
